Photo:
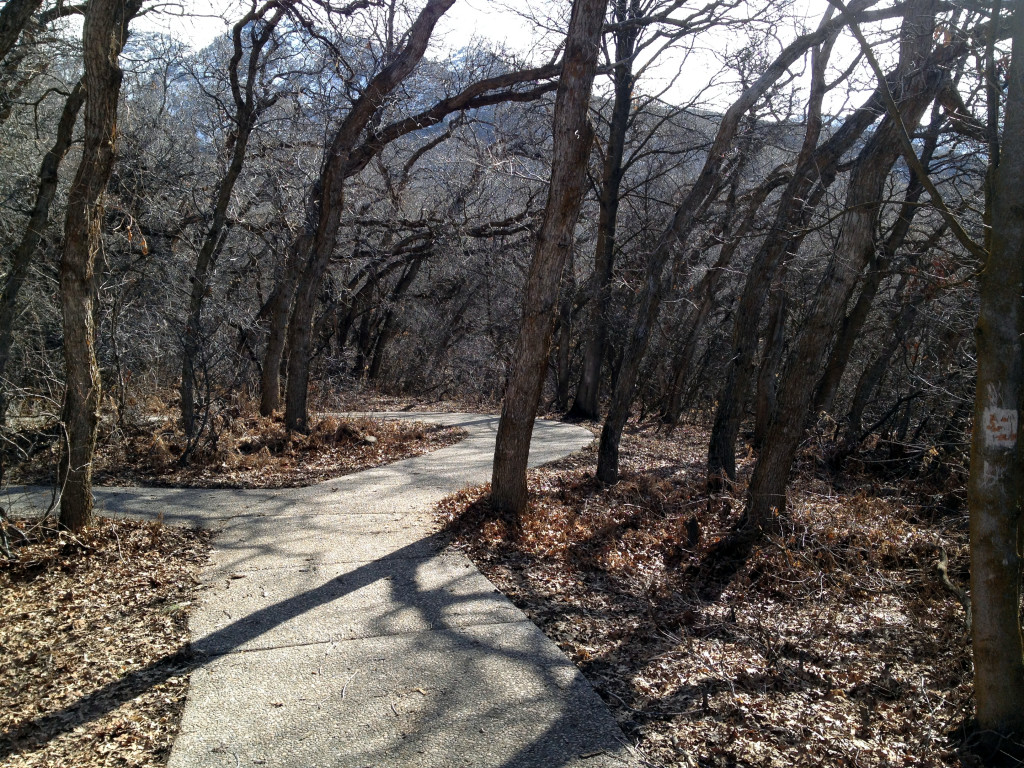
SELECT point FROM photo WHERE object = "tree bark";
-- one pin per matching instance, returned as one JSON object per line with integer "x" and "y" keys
{"x": 996, "y": 483}
{"x": 767, "y": 377}
{"x": 13, "y": 18}
{"x": 103, "y": 37}
{"x": 586, "y": 403}
{"x": 49, "y": 178}
{"x": 277, "y": 312}
{"x": 573, "y": 135}
{"x": 564, "y": 332}
{"x": 920, "y": 78}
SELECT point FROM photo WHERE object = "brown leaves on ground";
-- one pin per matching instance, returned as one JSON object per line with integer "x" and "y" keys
{"x": 834, "y": 643}
{"x": 93, "y": 632}
{"x": 248, "y": 452}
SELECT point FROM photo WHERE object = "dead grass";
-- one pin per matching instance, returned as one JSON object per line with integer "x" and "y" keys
{"x": 833, "y": 644}
{"x": 93, "y": 632}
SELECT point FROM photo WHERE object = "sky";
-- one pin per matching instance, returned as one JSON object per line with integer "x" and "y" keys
{"x": 492, "y": 20}
{"x": 466, "y": 19}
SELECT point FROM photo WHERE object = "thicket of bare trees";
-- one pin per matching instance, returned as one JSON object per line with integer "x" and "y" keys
{"x": 791, "y": 245}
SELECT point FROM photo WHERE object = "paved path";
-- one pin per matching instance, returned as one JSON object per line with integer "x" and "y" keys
{"x": 339, "y": 633}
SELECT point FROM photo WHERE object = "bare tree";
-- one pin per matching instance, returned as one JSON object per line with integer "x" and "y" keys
{"x": 103, "y": 37}
{"x": 355, "y": 143}
{"x": 920, "y": 75}
{"x": 704, "y": 190}
{"x": 996, "y": 484}
{"x": 25, "y": 250}
{"x": 572, "y": 137}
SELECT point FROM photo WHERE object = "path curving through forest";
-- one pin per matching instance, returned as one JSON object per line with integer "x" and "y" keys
{"x": 335, "y": 630}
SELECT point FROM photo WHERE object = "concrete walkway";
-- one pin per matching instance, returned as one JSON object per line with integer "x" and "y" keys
{"x": 339, "y": 633}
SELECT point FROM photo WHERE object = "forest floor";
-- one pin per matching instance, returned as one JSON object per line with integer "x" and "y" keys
{"x": 244, "y": 451}
{"x": 87, "y": 616}
{"x": 104, "y": 614}
{"x": 835, "y": 642}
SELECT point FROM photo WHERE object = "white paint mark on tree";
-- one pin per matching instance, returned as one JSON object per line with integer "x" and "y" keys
{"x": 1000, "y": 425}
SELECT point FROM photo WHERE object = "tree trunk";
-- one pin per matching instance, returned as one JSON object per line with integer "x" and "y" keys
{"x": 387, "y": 326}
{"x": 815, "y": 171}
{"x": 705, "y": 187}
{"x": 918, "y": 82}
{"x": 103, "y": 37}
{"x": 854, "y": 322}
{"x": 573, "y": 134}
{"x": 562, "y": 355}
{"x": 247, "y": 112}
{"x": 13, "y": 18}
{"x": 586, "y": 404}
{"x": 995, "y": 485}
{"x": 706, "y": 292}
{"x": 278, "y": 310}
{"x": 328, "y": 199}
{"x": 35, "y": 228}
{"x": 767, "y": 376}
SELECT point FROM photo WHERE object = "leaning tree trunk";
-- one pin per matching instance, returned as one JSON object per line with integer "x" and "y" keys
{"x": 706, "y": 293}
{"x": 919, "y": 81}
{"x": 588, "y": 390}
{"x": 704, "y": 189}
{"x": 573, "y": 134}
{"x": 825, "y": 395}
{"x": 49, "y": 177}
{"x": 996, "y": 484}
{"x": 813, "y": 164}
{"x": 13, "y": 18}
{"x": 103, "y": 37}
{"x": 327, "y": 202}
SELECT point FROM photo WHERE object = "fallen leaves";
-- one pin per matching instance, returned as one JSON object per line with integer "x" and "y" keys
{"x": 93, "y": 631}
{"x": 250, "y": 452}
{"x": 833, "y": 644}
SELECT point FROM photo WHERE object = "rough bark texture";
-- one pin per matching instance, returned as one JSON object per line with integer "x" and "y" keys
{"x": 276, "y": 316}
{"x": 586, "y": 403}
{"x": 21, "y": 259}
{"x": 995, "y": 484}
{"x": 767, "y": 377}
{"x": 13, "y": 17}
{"x": 572, "y": 138}
{"x": 919, "y": 81}
{"x": 103, "y": 37}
